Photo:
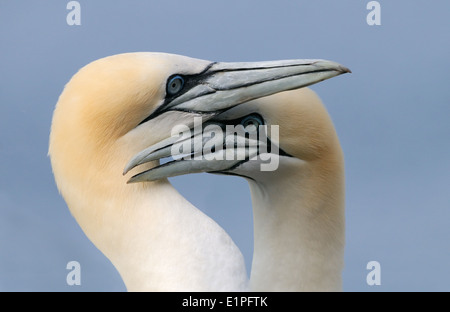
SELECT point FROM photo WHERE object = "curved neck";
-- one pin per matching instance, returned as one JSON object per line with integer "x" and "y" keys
{"x": 299, "y": 228}
{"x": 156, "y": 239}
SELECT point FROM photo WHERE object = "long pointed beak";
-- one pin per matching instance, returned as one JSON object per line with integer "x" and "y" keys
{"x": 225, "y": 85}
{"x": 197, "y": 159}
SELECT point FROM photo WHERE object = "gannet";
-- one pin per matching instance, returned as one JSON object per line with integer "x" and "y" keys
{"x": 118, "y": 106}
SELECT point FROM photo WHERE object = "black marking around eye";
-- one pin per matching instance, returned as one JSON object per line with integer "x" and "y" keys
{"x": 223, "y": 123}
{"x": 190, "y": 81}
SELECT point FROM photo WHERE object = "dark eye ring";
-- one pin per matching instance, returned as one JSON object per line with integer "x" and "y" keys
{"x": 252, "y": 121}
{"x": 175, "y": 85}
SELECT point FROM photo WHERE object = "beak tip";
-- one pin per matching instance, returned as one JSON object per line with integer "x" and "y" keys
{"x": 127, "y": 168}
{"x": 332, "y": 66}
{"x": 345, "y": 70}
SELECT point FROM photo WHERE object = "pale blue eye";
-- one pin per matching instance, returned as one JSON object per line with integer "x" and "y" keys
{"x": 175, "y": 85}
{"x": 252, "y": 121}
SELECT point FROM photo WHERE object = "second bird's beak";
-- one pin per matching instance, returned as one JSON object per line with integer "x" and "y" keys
{"x": 222, "y": 86}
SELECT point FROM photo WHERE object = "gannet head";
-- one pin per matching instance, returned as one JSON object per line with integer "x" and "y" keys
{"x": 119, "y": 106}
{"x": 98, "y": 120}
{"x": 262, "y": 139}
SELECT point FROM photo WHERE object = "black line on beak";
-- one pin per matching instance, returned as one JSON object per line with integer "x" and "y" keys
{"x": 190, "y": 81}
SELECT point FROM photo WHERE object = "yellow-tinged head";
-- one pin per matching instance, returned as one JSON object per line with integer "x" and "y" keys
{"x": 119, "y": 105}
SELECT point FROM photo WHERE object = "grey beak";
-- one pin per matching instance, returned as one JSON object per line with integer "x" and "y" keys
{"x": 222, "y": 86}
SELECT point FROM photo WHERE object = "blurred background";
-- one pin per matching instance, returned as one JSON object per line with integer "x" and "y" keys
{"x": 392, "y": 115}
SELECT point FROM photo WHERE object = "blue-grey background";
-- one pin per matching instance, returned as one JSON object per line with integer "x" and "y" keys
{"x": 392, "y": 115}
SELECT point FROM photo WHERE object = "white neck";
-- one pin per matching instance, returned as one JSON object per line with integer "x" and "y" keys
{"x": 158, "y": 241}
{"x": 299, "y": 229}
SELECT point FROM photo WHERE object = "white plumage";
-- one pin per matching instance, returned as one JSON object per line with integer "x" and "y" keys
{"x": 116, "y": 107}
